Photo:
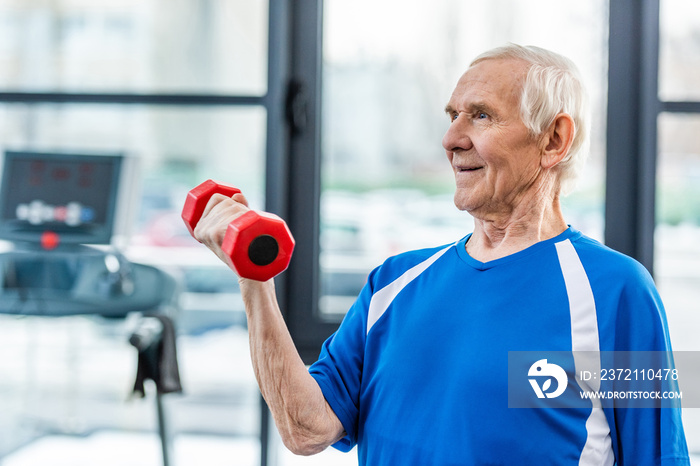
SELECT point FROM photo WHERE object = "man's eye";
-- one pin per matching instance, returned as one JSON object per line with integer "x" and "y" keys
{"x": 454, "y": 116}
{"x": 481, "y": 116}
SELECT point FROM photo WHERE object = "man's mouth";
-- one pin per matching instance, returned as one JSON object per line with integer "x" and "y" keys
{"x": 468, "y": 169}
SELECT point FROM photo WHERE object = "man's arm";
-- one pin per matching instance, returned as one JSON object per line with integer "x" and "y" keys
{"x": 647, "y": 436}
{"x": 304, "y": 419}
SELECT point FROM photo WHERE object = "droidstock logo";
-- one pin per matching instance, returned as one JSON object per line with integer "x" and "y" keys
{"x": 542, "y": 370}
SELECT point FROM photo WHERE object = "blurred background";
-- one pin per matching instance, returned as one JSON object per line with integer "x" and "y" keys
{"x": 197, "y": 89}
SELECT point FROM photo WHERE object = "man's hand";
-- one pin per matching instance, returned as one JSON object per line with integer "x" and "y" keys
{"x": 218, "y": 214}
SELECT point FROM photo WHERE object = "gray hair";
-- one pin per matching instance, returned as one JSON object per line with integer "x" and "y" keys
{"x": 553, "y": 85}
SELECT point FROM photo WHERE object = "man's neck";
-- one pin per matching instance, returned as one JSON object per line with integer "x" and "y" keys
{"x": 497, "y": 236}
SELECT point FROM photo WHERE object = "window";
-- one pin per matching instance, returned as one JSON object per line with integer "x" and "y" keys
{"x": 134, "y": 46}
{"x": 677, "y": 270}
{"x": 179, "y": 86}
{"x": 676, "y": 253}
{"x": 679, "y": 51}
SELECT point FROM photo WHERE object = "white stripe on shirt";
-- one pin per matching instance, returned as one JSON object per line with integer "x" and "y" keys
{"x": 382, "y": 299}
{"x": 597, "y": 450}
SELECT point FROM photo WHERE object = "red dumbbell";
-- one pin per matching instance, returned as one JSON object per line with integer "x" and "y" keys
{"x": 259, "y": 244}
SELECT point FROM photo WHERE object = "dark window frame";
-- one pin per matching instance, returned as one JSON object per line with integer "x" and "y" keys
{"x": 632, "y": 127}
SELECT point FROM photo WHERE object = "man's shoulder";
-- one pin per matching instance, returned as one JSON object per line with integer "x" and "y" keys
{"x": 599, "y": 258}
{"x": 396, "y": 265}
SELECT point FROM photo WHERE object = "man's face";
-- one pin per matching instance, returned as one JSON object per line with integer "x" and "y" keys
{"x": 494, "y": 158}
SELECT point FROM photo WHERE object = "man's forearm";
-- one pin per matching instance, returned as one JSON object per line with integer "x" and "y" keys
{"x": 305, "y": 421}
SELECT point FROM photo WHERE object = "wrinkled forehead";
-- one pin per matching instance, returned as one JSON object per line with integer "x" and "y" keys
{"x": 493, "y": 78}
{"x": 514, "y": 69}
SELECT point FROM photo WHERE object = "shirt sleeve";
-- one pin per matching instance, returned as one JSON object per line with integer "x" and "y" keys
{"x": 338, "y": 370}
{"x": 647, "y": 435}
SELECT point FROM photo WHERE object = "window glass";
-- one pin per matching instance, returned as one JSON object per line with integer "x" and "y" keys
{"x": 679, "y": 50}
{"x": 65, "y": 381}
{"x": 134, "y": 45}
{"x": 389, "y": 68}
{"x": 677, "y": 251}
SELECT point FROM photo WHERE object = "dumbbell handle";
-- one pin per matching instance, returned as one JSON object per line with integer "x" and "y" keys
{"x": 198, "y": 198}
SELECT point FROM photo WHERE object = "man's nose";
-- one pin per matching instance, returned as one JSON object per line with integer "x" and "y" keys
{"x": 457, "y": 136}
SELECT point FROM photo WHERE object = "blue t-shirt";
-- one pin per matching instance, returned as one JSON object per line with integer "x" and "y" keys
{"x": 417, "y": 373}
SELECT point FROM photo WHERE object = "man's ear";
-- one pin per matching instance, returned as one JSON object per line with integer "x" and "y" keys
{"x": 557, "y": 140}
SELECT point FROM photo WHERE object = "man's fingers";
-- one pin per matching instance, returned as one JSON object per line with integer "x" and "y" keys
{"x": 214, "y": 201}
{"x": 239, "y": 197}
{"x": 219, "y": 212}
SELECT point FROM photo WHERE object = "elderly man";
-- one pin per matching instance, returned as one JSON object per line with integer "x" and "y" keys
{"x": 417, "y": 373}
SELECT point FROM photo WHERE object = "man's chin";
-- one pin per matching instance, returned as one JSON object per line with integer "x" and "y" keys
{"x": 464, "y": 201}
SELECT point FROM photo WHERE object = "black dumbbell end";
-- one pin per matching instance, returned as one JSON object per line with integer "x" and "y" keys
{"x": 263, "y": 250}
